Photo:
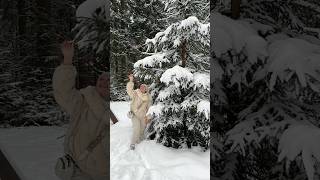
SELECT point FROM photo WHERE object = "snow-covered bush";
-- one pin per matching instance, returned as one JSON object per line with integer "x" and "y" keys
{"x": 261, "y": 89}
{"x": 178, "y": 72}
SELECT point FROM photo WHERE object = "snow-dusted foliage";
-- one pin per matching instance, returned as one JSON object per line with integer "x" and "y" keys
{"x": 88, "y": 8}
{"x": 178, "y": 10}
{"x": 178, "y": 73}
{"x": 92, "y": 29}
{"x": 266, "y": 88}
{"x": 293, "y": 143}
{"x": 294, "y": 16}
{"x": 92, "y": 37}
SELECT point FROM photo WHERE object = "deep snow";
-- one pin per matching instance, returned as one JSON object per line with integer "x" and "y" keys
{"x": 33, "y": 152}
{"x": 151, "y": 161}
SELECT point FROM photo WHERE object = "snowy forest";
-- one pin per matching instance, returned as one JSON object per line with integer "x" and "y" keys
{"x": 265, "y": 84}
{"x": 166, "y": 45}
{"x": 30, "y": 37}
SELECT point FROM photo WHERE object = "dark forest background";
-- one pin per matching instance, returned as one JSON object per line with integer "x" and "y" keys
{"x": 30, "y": 35}
{"x": 247, "y": 111}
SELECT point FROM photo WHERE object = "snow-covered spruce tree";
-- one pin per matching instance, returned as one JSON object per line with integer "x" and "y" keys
{"x": 92, "y": 35}
{"x": 294, "y": 16}
{"x": 178, "y": 71}
{"x": 269, "y": 85}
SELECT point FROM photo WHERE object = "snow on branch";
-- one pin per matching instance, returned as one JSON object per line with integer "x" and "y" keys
{"x": 201, "y": 80}
{"x": 187, "y": 29}
{"x": 301, "y": 140}
{"x": 156, "y": 109}
{"x": 154, "y": 60}
{"x": 175, "y": 75}
{"x": 295, "y": 57}
{"x": 238, "y": 35}
{"x": 87, "y": 8}
{"x": 204, "y": 107}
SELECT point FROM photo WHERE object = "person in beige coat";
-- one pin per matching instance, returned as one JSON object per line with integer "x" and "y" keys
{"x": 141, "y": 101}
{"x": 87, "y": 109}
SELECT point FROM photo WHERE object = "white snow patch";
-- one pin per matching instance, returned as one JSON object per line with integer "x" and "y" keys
{"x": 190, "y": 21}
{"x": 202, "y": 79}
{"x": 187, "y": 28}
{"x": 176, "y": 73}
{"x": 155, "y": 110}
{"x": 204, "y": 107}
{"x": 87, "y": 8}
{"x": 153, "y": 60}
{"x": 33, "y": 151}
{"x": 238, "y": 35}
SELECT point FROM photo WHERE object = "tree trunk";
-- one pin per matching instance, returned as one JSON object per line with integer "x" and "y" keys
{"x": 43, "y": 36}
{"x": 184, "y": 53}
{"x": 21, "y": 29}
{"x": 235, "y": 9}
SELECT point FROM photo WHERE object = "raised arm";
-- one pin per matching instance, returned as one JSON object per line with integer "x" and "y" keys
{"x": 63, "y": 82}
{"x": 130, "y": 86}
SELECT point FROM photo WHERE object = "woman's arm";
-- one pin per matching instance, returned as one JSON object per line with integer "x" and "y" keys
{"x": 130, "y": 86}
{"x": 63, "y": 82}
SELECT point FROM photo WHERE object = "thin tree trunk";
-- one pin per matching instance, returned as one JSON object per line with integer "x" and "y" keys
{"x": 235, "y": 9}
{"x": 184, "y": 53}
{"x": 21, "y": 27}
{"x": 43, "y": 40}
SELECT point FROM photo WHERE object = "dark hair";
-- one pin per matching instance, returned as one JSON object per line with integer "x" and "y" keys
{"x": 130, "y": 72}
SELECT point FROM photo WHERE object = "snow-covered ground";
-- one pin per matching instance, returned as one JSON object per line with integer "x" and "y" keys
{"x": 33, "y": 152}
{"x": 151, "y": 161}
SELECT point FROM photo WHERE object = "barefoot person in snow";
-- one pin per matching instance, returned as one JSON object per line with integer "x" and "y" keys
{"x": 141, "y": 101}
{"x": 85, "y": 142}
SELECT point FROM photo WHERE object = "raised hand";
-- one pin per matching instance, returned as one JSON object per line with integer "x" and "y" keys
{"x": 67, "y": 49}
{"x": 146, "y": 120}
{"x": 131, "y": 77}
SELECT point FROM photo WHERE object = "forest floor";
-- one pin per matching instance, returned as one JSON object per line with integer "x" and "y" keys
{"x": 33, "y": 151}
